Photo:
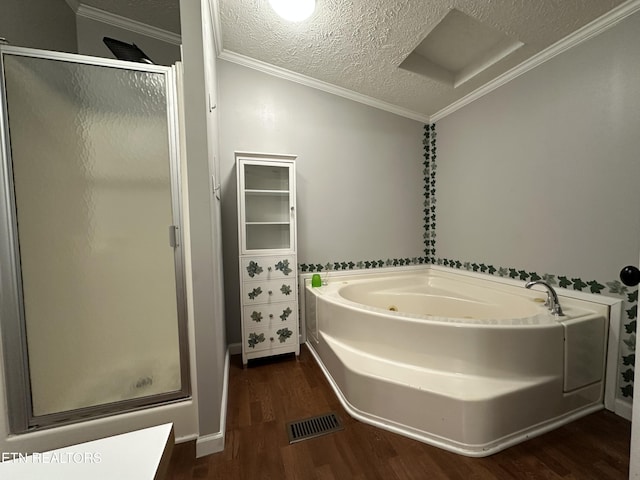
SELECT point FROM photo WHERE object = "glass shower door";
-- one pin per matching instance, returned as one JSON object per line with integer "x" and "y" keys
{"x": 96, "y": 314}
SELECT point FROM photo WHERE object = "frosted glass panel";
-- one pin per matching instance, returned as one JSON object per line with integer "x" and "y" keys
{"x": 93, "y": 199}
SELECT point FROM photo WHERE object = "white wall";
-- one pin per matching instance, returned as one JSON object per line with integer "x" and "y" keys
{"x": 542, "y": 174}
{"x": 359, "y": 172}
{"x": 91, "y": 32}
{"x": 43, "y": 24}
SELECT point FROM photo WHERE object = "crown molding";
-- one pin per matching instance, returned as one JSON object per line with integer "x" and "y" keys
{"x": 320, "y": 85}
{"x": 590, "y": 30}
{"x": 126, "y": 23}
{"x": 583, "y": 34}
{"x": 73, "y": 4}
{"x": 299, "y": 78}
{"x": 214, "y": 7}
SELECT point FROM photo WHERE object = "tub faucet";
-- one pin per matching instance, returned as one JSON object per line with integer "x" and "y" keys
{"x": 552, "y": 297}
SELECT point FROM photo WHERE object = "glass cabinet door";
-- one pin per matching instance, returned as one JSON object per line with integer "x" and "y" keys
{"x": 267, "y": 207}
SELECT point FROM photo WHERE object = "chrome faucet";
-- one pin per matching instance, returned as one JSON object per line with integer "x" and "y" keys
{"x": 552, "y": 297}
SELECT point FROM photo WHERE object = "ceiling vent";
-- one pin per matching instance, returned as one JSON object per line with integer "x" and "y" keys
{"x": 458, "y": 49}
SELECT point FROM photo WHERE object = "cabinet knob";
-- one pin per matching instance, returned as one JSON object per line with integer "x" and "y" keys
{"x": 270, "y": 292}
{"x": 271, "y": 315}
{"x": 269, "y": 268}
{"x": 271, "y": 339}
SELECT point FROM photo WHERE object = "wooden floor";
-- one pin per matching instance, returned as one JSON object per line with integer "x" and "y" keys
{"x": 267, "y": 395}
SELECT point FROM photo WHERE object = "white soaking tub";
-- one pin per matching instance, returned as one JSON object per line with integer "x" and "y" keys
{"x": 466, "y": 364}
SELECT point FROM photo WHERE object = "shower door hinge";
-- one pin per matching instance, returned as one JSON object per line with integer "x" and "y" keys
{"x": 173, "y": 236}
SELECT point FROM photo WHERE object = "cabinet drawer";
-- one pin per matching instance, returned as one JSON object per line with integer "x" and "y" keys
{"x": 268, "y": 268}
{"x": 257, "y": 316}
{"x": 260, "y": 339}
{"x": 269, "y": 292}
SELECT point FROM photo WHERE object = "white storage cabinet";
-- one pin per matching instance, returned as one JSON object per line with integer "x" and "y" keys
{"x": 268, "y": 262}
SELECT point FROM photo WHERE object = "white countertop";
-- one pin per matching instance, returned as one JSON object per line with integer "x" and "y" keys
{"x": 135, "y": 455}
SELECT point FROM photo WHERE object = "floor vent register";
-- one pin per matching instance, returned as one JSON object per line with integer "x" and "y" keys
{"x": 313, "y": 427}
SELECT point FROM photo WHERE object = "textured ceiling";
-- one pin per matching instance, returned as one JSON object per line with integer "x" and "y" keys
{"x": 359, "y": 44}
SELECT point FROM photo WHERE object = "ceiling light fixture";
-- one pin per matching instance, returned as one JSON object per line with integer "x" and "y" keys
{"x": 293, "y": 10}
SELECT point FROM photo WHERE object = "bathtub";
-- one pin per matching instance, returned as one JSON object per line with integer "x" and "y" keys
{"x": 471, "y": 365}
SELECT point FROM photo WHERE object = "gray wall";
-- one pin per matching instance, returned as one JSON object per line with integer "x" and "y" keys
{"x": 204, "y": 218}
{"x": 43, "y": 24}
{"x": 359, "y": 172}
{"x": 542, "y": 174}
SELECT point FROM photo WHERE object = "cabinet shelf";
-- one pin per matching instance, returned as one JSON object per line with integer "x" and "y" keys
{"x": 267, "y": 223}
{"x": 267, "y": 192}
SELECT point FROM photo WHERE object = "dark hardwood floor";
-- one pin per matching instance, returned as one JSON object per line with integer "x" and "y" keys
{"x": 269, "y": 393}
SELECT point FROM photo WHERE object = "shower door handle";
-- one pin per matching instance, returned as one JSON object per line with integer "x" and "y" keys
{"x": 173, "y": 236}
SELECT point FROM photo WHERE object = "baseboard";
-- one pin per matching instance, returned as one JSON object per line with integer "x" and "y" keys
{"x": 235, "y": 349}
{"x": 186, "y": 438}
{"x": 214, "y": 443}
{"x": 623, "y": 408}
{"x": 209, "y": 444}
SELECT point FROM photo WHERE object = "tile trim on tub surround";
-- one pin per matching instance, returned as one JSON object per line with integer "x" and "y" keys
{"x": 614, "y": 288}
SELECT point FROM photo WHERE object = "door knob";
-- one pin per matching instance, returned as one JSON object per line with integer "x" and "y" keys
{"x": 630, "y": 276}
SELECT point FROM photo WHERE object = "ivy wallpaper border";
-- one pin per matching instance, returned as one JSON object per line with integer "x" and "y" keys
{"x": 361, "y": 264}
{"x": 429, "y": 204}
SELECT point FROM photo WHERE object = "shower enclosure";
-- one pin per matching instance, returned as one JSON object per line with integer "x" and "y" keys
{"x": 92, "y": 289}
